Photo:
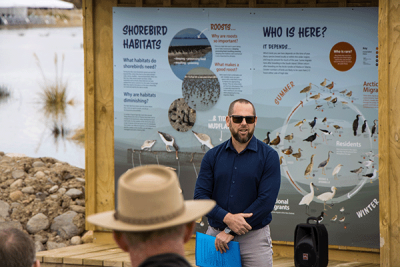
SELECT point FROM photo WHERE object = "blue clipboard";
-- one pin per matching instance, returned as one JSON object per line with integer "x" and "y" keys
{"x": 208, "y": 256}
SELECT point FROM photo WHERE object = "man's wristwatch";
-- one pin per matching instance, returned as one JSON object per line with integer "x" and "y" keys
{"x": 228, "y": 230}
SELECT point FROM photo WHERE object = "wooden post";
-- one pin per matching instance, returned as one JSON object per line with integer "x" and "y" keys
{"x": 389, "y": 146}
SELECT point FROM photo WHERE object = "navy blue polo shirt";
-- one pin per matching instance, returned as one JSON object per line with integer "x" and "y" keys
{"x": 245, "y": 182}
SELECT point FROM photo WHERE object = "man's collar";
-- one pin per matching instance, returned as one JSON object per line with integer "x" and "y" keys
{"x": 252, "y": 145}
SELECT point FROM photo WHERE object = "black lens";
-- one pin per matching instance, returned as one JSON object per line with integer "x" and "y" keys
{"x": 239, "y": 119}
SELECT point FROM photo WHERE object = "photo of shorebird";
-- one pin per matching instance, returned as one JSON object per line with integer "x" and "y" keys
{"x": 204, "y": 140}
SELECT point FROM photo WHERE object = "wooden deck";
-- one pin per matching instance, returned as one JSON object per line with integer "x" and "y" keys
{"x": 110, "y": 255}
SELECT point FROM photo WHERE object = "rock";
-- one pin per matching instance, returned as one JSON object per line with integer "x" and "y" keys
{"x": 77, "y": 208}
{"x": 80, "y": 180}
{"x": 40, "y": 175}
{"x": 4, "y": 209}
{"x": 64, "y": 225}
{"x": 88, "y": 237}
{"x": 40, "y": 238}
{"x": 18, "y": 183}
{"x": 41, "y": 196}
{"x": 28, "y": 190}
{"x": 62, "y": 190}
{"x": 80, "y": 202}
{"x": 53, "y": 189}
{"x": 76, "y": 240}
{"x": 38, "y": 164}
{"x": 18, "y": 174}
{"x": 74, "y": 193}
{"x": 16, "y": 195}
{"x": 53, "y": 245}
{"x": 39, "y": 246}
{"x": 11, "y": 224}
{"x": 37, "y": 223}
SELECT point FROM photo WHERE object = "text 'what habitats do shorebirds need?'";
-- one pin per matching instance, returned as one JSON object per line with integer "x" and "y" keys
{"x": 312, "y": 75}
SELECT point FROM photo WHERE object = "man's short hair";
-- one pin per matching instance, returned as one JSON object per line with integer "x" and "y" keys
{"x": 135, "y": 238}
{"x": 16, "y": 248}
{"x": 243, "y": 101}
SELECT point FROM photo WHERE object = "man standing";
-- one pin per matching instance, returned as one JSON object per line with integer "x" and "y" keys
{"x": 243, "y": 176}
{"x": 152, "y": 222}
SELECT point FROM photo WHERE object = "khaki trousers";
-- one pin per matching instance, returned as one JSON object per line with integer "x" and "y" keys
{"x": 255, "y": 246}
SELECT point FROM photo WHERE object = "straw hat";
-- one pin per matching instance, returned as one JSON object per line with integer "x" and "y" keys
{"x": 150, "y": 198}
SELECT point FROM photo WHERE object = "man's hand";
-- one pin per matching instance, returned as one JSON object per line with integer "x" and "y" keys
{"x": 237, "y": 222}
{"x": 222, "y": 240}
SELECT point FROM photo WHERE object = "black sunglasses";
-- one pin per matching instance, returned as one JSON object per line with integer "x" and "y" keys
{"x": 239, "y": 119}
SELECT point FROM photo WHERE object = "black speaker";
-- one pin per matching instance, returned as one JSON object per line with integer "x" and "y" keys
{"x": 311, "y": 244}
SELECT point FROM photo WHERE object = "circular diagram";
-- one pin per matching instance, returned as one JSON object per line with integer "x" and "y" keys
{"x": 181, "y": 116}
{"x": 189, "y": 49}
{"x": 327, "y": 141}
{"x": 343, "y": 56}
{"x": 201, "y": 89}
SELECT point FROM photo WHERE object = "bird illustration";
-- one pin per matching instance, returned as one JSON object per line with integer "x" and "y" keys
{"x": 328, "y": 99}
{"x": 266, "y": 140}
{"x": 306, "y": 200}
{"x": 316, "y": 97}
{"x": 276, "y": 141}
{"x": 312, "y": 124}
{"x": 311, "y": 138}
{"x": 371, "y": 175}
{"x": 337, "y": 127}
{"x": 323, "y": 83}
{"x": 287, "y": 151}
{"x": 341, "y": 210}
{"x": 336, "y": 170}
{"x": 300, "y": 123}
{"x": 325, "y": 132}
{"x": 309, "y": 167}
{"x": 280, "y": 160}
{"x": 318, "y": 107}
{"x": 147, "y": 145}
{"x": 373, "y": 129}
{"x": 355, "y": 125}
{"x": 204, "y": 140}
{"x": 327, "y": 196}
{"x": 358, "y": 171}
{"x": 342, "y": 219}
{"x": 334, "y": 101}
{"x": 330, "y": 86}
{"x": 289, "y": 137}
{"x": 367, "y": 163}
{"x": 334, "y": 218}
{"x": 324, "y": 120}
{"x": 169, "y": 141}
{"x": 343, "y": 92}
{"x": 297, "y": 155}
{"x": 306, "y": 90}
{"x": 364, "y": 126}
{"x": 349, "y": 94}
{"x": 324, "y": 163}
{"x": 344, "y": 103}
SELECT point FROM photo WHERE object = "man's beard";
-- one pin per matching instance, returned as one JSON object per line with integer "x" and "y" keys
{"x": 237, "y": 136}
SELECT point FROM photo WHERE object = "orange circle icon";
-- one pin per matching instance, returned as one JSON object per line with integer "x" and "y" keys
{"x": 343, "y": 56}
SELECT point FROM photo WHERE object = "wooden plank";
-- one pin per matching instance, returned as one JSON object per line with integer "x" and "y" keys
{"x": 384, "y": 146}
{"x": 80, "y": 258}
{"x": 118, "y": 260}
{"x": 61, "y": 257}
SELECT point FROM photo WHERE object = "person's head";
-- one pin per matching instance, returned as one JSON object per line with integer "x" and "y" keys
{"x": 151, "y": 207}
{"x": 17, "y": 249}
{"x": 241, "y": 120}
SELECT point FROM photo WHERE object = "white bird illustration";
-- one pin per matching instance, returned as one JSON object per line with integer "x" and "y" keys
{"x": 334, "y": 218}
{"x": 327, "y": 196}
{"x": 169, "y": 141}
{"x": 336, "y": 170}
{"x": 306, "y": 200}
{"x": 147, "y": 145}
{"x": 366, "y": 163}
{"x": 371, "y": 175}
{"x": 204, "y": 139}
